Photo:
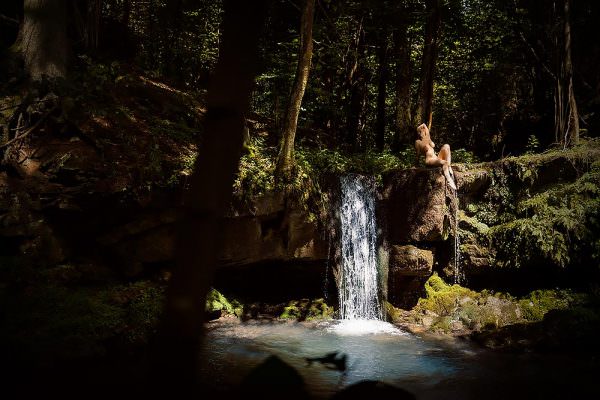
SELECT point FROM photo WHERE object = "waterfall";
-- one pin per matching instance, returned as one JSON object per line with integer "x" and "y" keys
{"x": 359, "y": 298}
{"x": 458, "y": 273}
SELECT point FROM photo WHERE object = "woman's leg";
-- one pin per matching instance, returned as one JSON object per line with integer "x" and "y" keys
{"x": 444, "y": 153}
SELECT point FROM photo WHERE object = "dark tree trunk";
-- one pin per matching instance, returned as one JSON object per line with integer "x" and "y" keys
{"x": 285, "y": 161}
{"x": 43, "y": 38}
{"x": 381, "y": 92}
{"x": 94, "y": 14}
{"x": 403, "y": 126}
{"x": 356, "y": 83}
{"x": 566, "y": 117}
{"x": 433, "y": 25}
{"x": 175, "y": 366}
{"x": 126, "y": 13}
{"x": 170, "y": 29}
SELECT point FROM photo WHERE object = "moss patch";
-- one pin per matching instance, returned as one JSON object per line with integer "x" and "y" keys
{"x": 215, "y": 301}
{"x": 449, "y": 308}
{"x": 308, "y": 310}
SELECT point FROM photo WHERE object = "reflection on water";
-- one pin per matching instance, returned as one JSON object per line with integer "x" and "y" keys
{"x": 431, "y": 369}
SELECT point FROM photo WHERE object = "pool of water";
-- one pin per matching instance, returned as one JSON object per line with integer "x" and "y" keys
{"x": 428, "y": 367}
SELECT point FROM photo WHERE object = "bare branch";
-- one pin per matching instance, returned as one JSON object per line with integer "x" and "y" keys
{"x": 536, "y": 56}
{"x": 30, "y": 130}
{"x": 9, "y": 20}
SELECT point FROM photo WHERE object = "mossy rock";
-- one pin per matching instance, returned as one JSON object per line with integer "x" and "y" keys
{"x": 441, "y": 298}
{"x": 216, "y": 302}
{"x": 306, "y": 309}
{"x": 540, "y": 302}
{"x": 393, "y": 314}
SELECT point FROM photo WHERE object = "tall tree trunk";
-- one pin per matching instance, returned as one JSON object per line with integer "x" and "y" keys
{"x": 43, "y": 38}
{"x": 430, "y": 52}
{"x": 285, "y": 161}
{"x": 566, "y": 117}
{"x": 403, "y": 125}
{"x": 170, "y": 31}
{"x": 381, "y": 92}
{"x": 175, "y": 365}
{"x": 356, "y": 84}
{"x": 94, "y": 14}
{"x": 126, "y": 13}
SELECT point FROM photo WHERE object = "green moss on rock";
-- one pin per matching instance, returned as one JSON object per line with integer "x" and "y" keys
{"x": 215, "y": 301}
{"x": 535, "y": 210}
{"x": 539, "y": 302}
{"x": 449, "y": 308}
{"x": 306, "y": 309}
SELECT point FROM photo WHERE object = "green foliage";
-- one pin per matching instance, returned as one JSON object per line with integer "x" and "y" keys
{"x": 533, "y": 145}
{"x": 464, "y": 156}
{"x": 145, "y": 306}
{"x": 558, "y": 225}
{"x": 312, "y": 165}
{"x": 255, "y": 175}
{"x": 537, "y": 304}
{"x": 498, "y": 201}
{"x": 59, "y": 321}
{"x": 215, "y": 301}
{"x": 96, "y": 75}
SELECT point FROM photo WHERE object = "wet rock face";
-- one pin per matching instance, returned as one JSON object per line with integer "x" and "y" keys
{"x": 133, "y": 237}
{"x": 414, "y": 208}
{"x": 410, "y": 261}
{"x": 284, "y": 235}
{"x": 415, "y": 203}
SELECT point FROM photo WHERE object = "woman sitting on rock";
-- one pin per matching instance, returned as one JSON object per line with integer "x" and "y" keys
{"x": 424, "y": 145}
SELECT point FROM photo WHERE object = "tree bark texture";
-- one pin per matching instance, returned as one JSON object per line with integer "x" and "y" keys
{"x": 177, "y": 354}
{"x": 383, "y": 73}
{"x": 403, "y": 126}
{"x": 433, "y": 25}
{"x": 356, "y": 83}
{"x": 43, "y": 38}
{"x": 566, "y": 116}
{"x": 285, "y": 161}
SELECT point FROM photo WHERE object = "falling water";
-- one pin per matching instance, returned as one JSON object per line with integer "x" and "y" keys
{"x": 359, "y": 297}
{"x": 458, "y": 273}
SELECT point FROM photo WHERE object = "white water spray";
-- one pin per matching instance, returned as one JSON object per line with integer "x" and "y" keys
{"x": 359, "y": 297}
{"x": 458, "y": 273}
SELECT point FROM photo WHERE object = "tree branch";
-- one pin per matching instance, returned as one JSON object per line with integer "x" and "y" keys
{"x": 536, "y": 56}
{"x": 30, "y": 130}
{"x": 9, "y": 20}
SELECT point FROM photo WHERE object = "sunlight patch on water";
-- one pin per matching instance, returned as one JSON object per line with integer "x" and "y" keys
{"x": 358, "y": 327}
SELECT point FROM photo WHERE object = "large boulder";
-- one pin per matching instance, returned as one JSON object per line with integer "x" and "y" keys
{"x": 408, "y": 269}
{"x": 415, "y": 204}
{"x": 284, "y": 235}
{"x": 410, "y": 261}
